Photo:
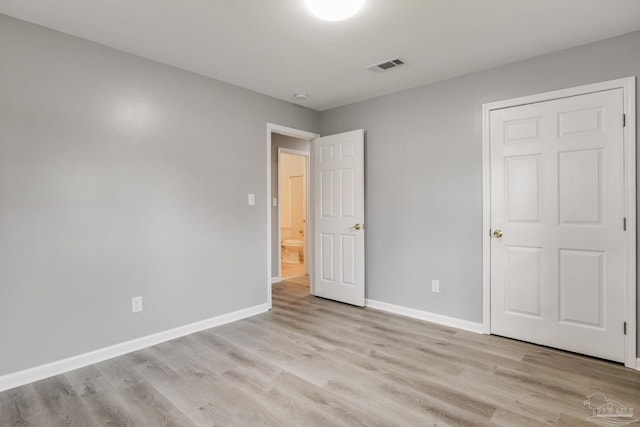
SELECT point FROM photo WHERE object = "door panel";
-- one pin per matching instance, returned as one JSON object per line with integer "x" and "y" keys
{"x": 349, "y": 257}
{"x": 580, "y": 187}
{"x": 524, "y": 175}
{"x": 326, "y": 257}
{"x": 557, "y": 195}
{"x": 581, "y": 287}
{"x": 326, "y": 194}
{"x": 523, "y": 280}
{"x": 338, "y": 164}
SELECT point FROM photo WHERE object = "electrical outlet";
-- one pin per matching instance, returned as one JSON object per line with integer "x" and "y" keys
{"x": 435, "y": 285}
{"x": 275, "y": 202}
{"x": 251, "y": 199}
{"x": 136, "y": 304}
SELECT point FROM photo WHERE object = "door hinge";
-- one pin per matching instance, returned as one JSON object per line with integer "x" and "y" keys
{"x": 624, "y": 120}
{"x": 624, "y": 224}
{"x": 624, "y": 328}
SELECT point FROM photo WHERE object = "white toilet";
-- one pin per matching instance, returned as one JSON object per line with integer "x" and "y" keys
{"x": 291, "y": 251}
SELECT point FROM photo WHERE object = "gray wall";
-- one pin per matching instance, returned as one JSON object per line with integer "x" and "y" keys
{"x": 122, "y": 177}
{"x": 279, "y": 141}
{"x": 424, "y": 164}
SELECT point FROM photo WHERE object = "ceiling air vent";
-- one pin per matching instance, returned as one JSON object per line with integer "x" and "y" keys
{"x": 386, "y": 66}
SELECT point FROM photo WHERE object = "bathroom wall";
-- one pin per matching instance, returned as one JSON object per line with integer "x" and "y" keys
{"x": 292, "y": 194}
{"x": 277, "y": 141}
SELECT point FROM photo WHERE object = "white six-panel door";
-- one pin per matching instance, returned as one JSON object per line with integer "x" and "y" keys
{"x": 338, "y": 170}
{"x": 557, "y": 212}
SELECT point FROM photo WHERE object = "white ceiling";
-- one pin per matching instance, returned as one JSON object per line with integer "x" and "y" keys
{"x": 277, "y": 48}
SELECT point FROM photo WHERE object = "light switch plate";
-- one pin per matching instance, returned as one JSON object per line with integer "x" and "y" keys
{"x": 275, "y": 202}
{"x": 435, "y": 286}
{"x": 136, "y": 304}
{"x": 251, "y": 199}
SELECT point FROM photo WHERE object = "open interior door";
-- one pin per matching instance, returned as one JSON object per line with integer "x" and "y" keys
{"x": 338, "y": 172}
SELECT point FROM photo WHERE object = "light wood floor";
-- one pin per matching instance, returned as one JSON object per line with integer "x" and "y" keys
{"x": 312, "y": 362}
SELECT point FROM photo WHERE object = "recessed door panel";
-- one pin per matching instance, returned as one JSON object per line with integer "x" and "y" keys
{"x": 348, "y": 183}
{"x": 581, "y": 287}
{"x": 523, "y": 181}
{"x": 348, "y": 150}
{"x": 579, "y": 123}
{"x": 522, "y": 130}
{"x": 327, "y": 255}
{"x": 326, "y": 194}
{"x": 348, "y": 259}
{"x": 326, "y": 153}
{"x": 522, "y": 280}
{"x": 580, "y": 187}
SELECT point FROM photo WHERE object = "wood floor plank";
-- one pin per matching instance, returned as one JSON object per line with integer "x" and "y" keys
{"x": 507, "y": 418}
{"x": 290, "y": 408}
{"x": 349, "y": 411}
{"x": 157, "y": 410}
{"x": 156, "y": 369}
{"x": 507, "y": 396}
{"x": 182, "y": 353}
{"x": 106, "y": 404}
{"x": 402, "y": 379}
{"x": 20, "y": 407}
{"x": 80, "y": 375}
{"x": 246, "y": 409}
{"x": 121, "y": 371}
{"x": 573, "y": 363}
{"x": 257, "y": 371}
{"x": 61, "y": 404}
{"x": 198, "y": 401}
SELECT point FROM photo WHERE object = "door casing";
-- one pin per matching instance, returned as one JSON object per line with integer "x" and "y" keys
{"x": 629, "y": 137}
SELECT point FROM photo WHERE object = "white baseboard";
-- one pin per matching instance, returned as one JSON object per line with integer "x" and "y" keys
{"x": 638, "y": 364}
{"x": 427, "y": 316}
{"x": 275, "y": 280}
{"x": 38, "y": 373}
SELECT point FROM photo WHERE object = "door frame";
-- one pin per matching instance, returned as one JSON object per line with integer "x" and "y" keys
{"x": 295, "y": 133}
{"x": 307, "y": 157}
{"x": 628, "y": 85}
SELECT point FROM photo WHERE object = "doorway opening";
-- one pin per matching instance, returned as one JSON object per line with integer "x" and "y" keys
{"x": 292, "y": 202}
{"x": 334, "y": 250}
{"x": 290, "y": 223}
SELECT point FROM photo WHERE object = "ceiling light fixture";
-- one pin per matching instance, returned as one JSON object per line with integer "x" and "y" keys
{"x": 300, "y": 95}
{"x": 334, "y": 10}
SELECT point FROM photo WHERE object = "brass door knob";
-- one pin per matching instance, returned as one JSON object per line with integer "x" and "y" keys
{"x": 497, "y": 234}
{"x": 357, "y": 227}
